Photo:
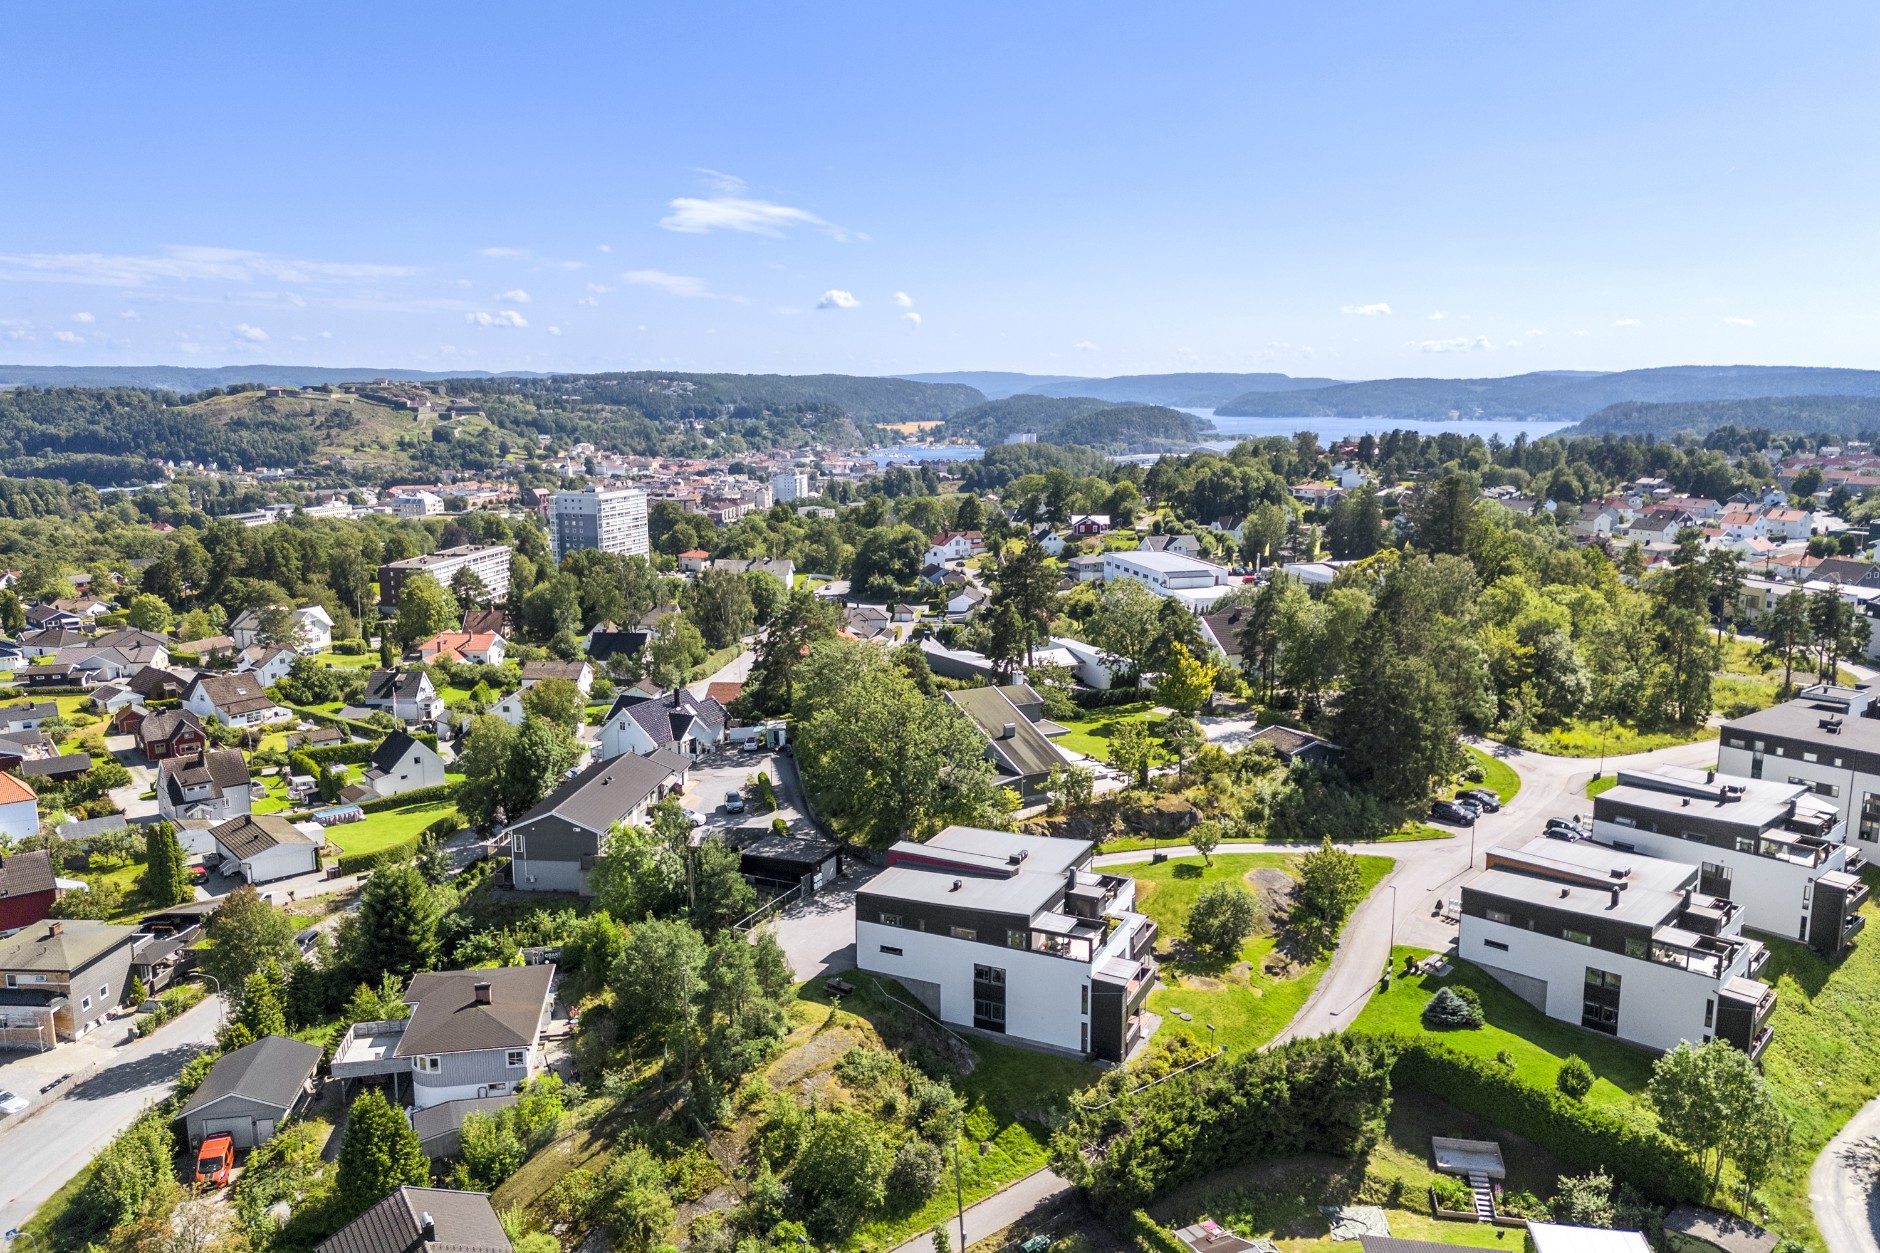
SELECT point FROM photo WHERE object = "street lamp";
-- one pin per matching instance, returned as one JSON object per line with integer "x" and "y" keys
{"x": 1393, "y": 914}
{"x": 14, "y": 1235}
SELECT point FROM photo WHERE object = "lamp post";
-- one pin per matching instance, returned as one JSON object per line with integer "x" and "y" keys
{"x": 14, "y": 1235}
{"x": 959, "y": 1192}
{"x": 1393, "y": 915}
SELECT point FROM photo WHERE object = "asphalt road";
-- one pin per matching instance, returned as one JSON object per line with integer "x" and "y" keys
{"x": 45, "y": 1147}
{"x": 1841, "y": 1185}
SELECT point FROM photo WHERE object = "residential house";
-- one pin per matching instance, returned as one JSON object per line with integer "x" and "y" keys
{"x": 1775, "y": 848}
{"x": 424, "y": 1220}
{"x": 170, "y": 733}
{"x": 310, "y": 628}
{"x": 260, "y": 848}
{"x": 1827, "y": 740}
{"x": 28, "y": 883}
{"x": 1292, "y": 744}
{"x": 967, "y": 600}
{"x": 210, "y": 785}
{"x": 477, "y": 649}
{"x": 19, "y": 809}
{"x": 267, "y": 663}
{"x": 579, "y": 673}
{"x": 510, "y": 709}
{"x": 43, "y": 617}
{"x": 408, "y": 696}
{"x": 693, "y": 560}
{"x": 1012, "y": 935}
{"x": 62, "y": 767}
{"x": 1084, "y": 525}
{"x": 59, "y": 675}
{"x": 868, "y": 622}
{"x": 491, "y": 619}
{"x": 783, "y": 569}
{"x": 59, "y": 978}
{"x": 555, "y": 844}
{"x": 26, "y": 717}
{"x": 1022, "y": 755}
{"x": 403, "y": 764}
{"x": 1221, "y": 631}
{"x": 626, "y": 645}
{"x": 1087, "y": 568}
{"x": 906, "y": 613}
{"x": 439, "y": 1127}
{"x": 949, "y": 546}
{"x": 1086, "y": 661}
{"x": 1628, "y": 945}
{"x": 471, "y": 1033}
{"x": 210, "y": 646}
{"x": 235, "y": 700}
{"x": 1181, "y": 545}
{"x": 159, "y": 683}
{"x": 110, "y": 699}
{"x": 680, "y": 721}
{"x": 251, "y": 1091}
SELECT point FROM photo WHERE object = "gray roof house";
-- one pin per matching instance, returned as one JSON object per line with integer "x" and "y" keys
{"x": 403, "y": 764}
{"x": 472, "y": 1033}
{"x": 1014, "y": 743}
{"x": 213, "y": 786}
{"x": 423, "y": 1220}
{"x": 679, "y": 720}
{"x": 251, "y": 1091}
{"x": 59, "y": 978}
{"x": 408, "y": 696}
{"x": 555, "y": 844}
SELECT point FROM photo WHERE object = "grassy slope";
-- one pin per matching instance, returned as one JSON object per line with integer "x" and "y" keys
{"x": 387, "y": 826}
{"x": 1248, "y": 1002}
{"x": 1501, "y": 776}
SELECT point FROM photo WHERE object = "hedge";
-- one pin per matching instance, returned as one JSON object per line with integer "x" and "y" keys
{"x": 1148, "y": 1235}
{"x": 365, "y": 729}
{"x": 1097, "y": 698}
{"x": 1584, "y": 1135}
{"x": 417, "y": 796}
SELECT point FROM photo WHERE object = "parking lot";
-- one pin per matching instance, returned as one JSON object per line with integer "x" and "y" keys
{"x": 717, "y": 773}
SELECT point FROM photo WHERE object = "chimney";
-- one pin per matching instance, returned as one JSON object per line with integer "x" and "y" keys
{"x": 1010, "y": 730}
{"x": 427, "y": 1226}
{"x": 57, "y": 928}
{"x": 1615, "y": 897}
{"x": 483, "y": 993}
{"x": 1710, "y": 776}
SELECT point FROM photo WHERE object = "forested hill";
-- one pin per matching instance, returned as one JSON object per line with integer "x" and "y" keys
{"x": 1187, "y": 391}
{"x": 1812, "y": 415}
{"x": 1557, "y": 395}
{"x": 994, "y": 384}
{"x": 181, "y": 378}
{"x": 1078, "y": 420}
{"x": 661, "y": 395}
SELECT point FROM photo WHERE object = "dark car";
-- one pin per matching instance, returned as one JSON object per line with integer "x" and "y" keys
{"x": 1561, "y": 829}
{"x": 1489, "y": 802}
{"x": 1449, "y": 811}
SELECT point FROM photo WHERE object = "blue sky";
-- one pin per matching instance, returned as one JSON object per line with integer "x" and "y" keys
{"x": 1347, "y": 190}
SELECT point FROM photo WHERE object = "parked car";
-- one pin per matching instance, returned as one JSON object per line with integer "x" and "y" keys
{"x": 752, "y": 745}
{"x": 1489, "y": 802}
{"x": 694, "y": 817}
{"x": 214, "y": 1160}
{"x": 1449, "y": 811}
{"x": 1561, "y": 829}
{"x": 11, "y": 1104}
{"x": 734, "y": 802}
{"x": 1463, "y": 802}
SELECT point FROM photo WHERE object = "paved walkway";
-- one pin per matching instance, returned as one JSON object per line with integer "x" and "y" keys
{"x": 1841, "y": 1185}
{"x": 995, "y": 1213}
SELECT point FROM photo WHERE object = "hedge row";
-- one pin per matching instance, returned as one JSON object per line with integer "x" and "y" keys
{"x": 1584, "y": 1135}
{"x": 417, "y": 796}
{"x": 399, "y": 853}
{"x": 1148, "y": 1235}
{"x": 1097, "y": 698}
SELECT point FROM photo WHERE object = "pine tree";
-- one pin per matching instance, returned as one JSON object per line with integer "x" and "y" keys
{"x": 380, "y": 1153}
{"x": 397, "y": 930}
{"x": 262, "y": 1011}
{"x": 166, "y": 867}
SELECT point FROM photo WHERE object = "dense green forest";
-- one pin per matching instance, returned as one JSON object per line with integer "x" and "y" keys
{"x": 1828, "y": 415}
{"x": 1189, "y": 391}
{"x": 698, "y": 397}
{"x": 1076, "y": 420}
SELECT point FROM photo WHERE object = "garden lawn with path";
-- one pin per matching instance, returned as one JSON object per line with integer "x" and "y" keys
{"x": 1249, "y": 1000}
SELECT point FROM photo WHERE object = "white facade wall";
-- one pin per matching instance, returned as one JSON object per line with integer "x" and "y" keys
{"x": 1160, "y": 578}
{"x": 534, "y": 875}
{"x": 1850, "y": 788}
{"x": 1659, "y": 1005}
{"x": 614, "y": 521}
{"x": 792, "y": 485}
{"x": 283, "y": 861}
{"x": 1774, "y": 894}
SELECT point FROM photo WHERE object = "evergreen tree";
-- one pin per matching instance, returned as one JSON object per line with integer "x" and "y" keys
{"x": 262, "y": 1010}
{"x": 166, "y": 867}
{"x": 396, "y": 930}
{"x": 379, "y": 1154}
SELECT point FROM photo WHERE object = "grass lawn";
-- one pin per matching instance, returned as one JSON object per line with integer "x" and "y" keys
{"x": 341, "y": 661}
{"x": 1604, "y": 783}
{"x": 1091, "y": 734}
{"x": 1592, "y": 738}
{"x": 128, "y": 878}
{"x": 1500, "y": 776}
{"x": 1537, "y": 1043}
{"x": 1249, "y": 1000}
{"x": 1409, "y": 832}
{"x": 386, "y": 827}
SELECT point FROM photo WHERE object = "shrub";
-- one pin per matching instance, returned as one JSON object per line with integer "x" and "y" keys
{"x": 915, "y": 1174}
{"x": 1452, "y": 1193}
{"x": 1222, "y": 918}
{"x": 1149, "y": 1236}
{"x": 1575, "y": 1077}
{"x": 1449, "y": 1010}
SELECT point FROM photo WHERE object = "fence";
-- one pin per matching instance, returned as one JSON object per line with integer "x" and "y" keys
{"x": 769, "y": 907}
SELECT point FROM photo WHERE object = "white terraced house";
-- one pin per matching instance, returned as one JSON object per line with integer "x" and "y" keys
{"x": 1013, "y": 935}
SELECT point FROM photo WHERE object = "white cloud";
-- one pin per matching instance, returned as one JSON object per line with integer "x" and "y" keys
{"x": 1084, "y": 345}
{"x": 177, "y": 263}
{"x": 554, "y": 330}
{"x": 515, "y": 296}
{"x": 720, "y": 182}
{"x": 189, "y": 346}
{"x": 1437, "y": 316}
{"x": 86, "y": 318}
{"x": 1626, "y": 322}
{"x": 1462, "y": 343}
{"x": 507, "y": 317}
{"x": 1739, "y": 322}
{"x": 694, "y": 216}
{"x": 464, "y": 282}
{"x": 130, "y": 315}
{"x": 603, "y": 247}
{"x": 253, "y": 334}
{"x": 1533, "y": 333}
{"x": 326, "y": 334}
{"x": 835, "y": 298}
{"x": 67, "y": 337}
{"x": 904, "y": 300}
{"x": 671, "y": 284}
{"x": 17, "y": 328}
{"x": 599, "y": 289}
{"x": 911, "y": 317}
{"x": 502, "y": 252}
{"x": 1378, "y": 310}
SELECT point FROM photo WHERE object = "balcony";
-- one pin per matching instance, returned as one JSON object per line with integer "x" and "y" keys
{"x": 1761, "y": 1042}
{"x": 1853, "y": 926}
{"x": 1855, "y": 860}
{"x": 1758, "y": 958}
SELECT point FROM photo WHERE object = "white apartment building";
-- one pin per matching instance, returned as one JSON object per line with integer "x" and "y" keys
{"x": 489, "y": 562}
{"x": 1623, "y": 944}
{"x": 1828, "y": 740}
{"x": 789, "y": 485}
{"x": 1197, "y": 584}
{"x": 1012, "y": 935}
{"x": 610, "y": 519}
{"x": 1773, "y": 847}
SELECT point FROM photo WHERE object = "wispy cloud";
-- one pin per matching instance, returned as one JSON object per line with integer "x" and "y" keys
{"x": 502, "y": 252}
{"x": 904, "y": 300}
{"x": 671, "y": 284}
{"x": 505, "y": 317}
{"x": 86, "y": 318}
{"x": 178, "y": 263}
{"x": 693, "y": 215}
{"x": 1437, "y": 316}
{"x": 554, "y": 330}
{"x": 598, "y": 289}
{"x": 1461, "y": 343}
{"x": 515, "y": 296}
{"x": 68, "y": 337}
{"x": 1739, "y": 322}
{"x": 253, "y": 334}
{"x": 911, "y": 318}
{"x": 1084, "y": 345}
{"x": 130, "y": 315}
{"x": 603, "y": 247}
{"x": 719, "y": 181}
{"x": 835, "y": 298}
{"x": 1626, "y": 322}
{"x": 1378, "y": 310}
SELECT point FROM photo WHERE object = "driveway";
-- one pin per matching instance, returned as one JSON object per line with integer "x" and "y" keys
{"x": 1841, "y": 1185}
{"x": 715, "y": 774}
{"x": 46, "y": 1146}
{"x": 818, "y": 935}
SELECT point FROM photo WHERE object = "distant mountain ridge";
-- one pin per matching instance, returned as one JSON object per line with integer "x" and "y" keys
{"x": 186, "y": 379}
{"x": 1562, "y": 396}
{"x": 1811, "y": 415}
{"x": 993, "y": 384}
{"x": 1181, "y": 391}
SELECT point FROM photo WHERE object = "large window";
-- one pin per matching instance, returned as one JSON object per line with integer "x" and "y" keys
{"x": 1499, "y": 915}
{"x": 1870, "y": 816}
{"x": 891, "y": 920}
{"x": 963, "y": 933}
{"x": 1578, "y": 937}
{"x": 989, "y": 998}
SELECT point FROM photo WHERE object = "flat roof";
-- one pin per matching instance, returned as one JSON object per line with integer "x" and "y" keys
{"x": 1559, "y": 1238}
{"x": 1578, "y": 878}
{"x": 1759, "y": 803}
{"x": 1800, "y": 719}
{"x": 971, "y": 868}
{"x": 1166, "y": 562}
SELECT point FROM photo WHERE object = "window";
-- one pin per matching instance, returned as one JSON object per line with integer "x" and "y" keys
{"x": 1601, "y": 979}
{"x": 890, "y": 950}
{"x": 86, "y": 1003}
{"x": 518, "y": 1057}
{"x": 1084, "y": 1038}
{"x": 988, "y": 1015}
{"x": 1710, "y": 1013}
{"x": 1017, "y": 939}
{"x": 1578, "y": 937}
{"x": 104, "y": 993}
{"x": 429, "y": 1065}
{"x": 1499, "y": 915}
{"x": 1083, "y": 999}
{"x": 990, "y": 975}
{"x": 1736, "y": 741}
{"x": 1637, "y": 947}
{"x": 963, "y": 933}
{"x": 892, "y": 920}
{"x": 1745, "y": 843}
{"x": 1621, "y": 820}
{"x": 1807, "y": 756}
{"x": 1497, "y": 945}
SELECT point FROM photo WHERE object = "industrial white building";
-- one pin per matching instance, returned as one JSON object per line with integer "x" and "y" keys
{"x": 1197, "y": 584}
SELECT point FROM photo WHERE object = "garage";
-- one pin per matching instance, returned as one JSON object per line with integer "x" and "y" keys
{"x": 251, "y": 1091}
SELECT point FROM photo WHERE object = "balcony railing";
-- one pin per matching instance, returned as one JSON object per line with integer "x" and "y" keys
{"x": 1761, "y": 1042}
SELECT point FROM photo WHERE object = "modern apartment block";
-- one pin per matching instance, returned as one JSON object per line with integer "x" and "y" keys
{"x": 489, "y": 562}
{"x": 610, "y": 519}
{"x": 1013, "y": 935}
{"x": 1623, "y": 944}
{"x": 1774, "y": 848}
{"x": 790, "y": 485}
{"x": 1828, "y": 740}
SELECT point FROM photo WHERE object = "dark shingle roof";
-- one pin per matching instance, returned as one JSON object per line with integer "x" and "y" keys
{"x": 466, "y": 1222}
{"x": 76, "y": 945}
{"x": 225, "y": 768}
{"x": 666, "y": 718}
{"x": 392, "y": 750}
{"x": 230, "y": 692}
{"x": 23, "y": 874}
{"x": 604, "y": 793}
{"x": 534, "y": 671}
{"x": 436, "y": 1121}
{"x": 13, "y": 715}
{"x": 1026, "y": 751}
{"x": 446, "y": 1017}
{"x": 64, "y": 765}
{"x": 270, "y": 1070}
{"x": 257, "y": 833}
{"x": 165, "y": 723}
